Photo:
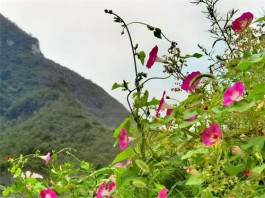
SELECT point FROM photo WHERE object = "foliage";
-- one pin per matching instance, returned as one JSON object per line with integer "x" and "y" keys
{"x": 209, "y": 145}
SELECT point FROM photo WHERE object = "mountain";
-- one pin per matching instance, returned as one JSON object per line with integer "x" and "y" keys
{"x": 45, "y": 106}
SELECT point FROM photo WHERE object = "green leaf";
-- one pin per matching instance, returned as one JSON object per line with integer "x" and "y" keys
{"x": 193, "y": 180}
{"x": 234, "y": 170}
{"x": 257, "y": 89}
{"x": 7, "y": 191}
{"x": 125, "y": 124}
{"x": 116, "y": 85}
{"x": 257, "y": 142}
{"x": 259, "y": 169}
{"x": 187, "y": 155}
{"x": 216, "y": 110}
{"x": 241, "y": 106}
{"x": 191, "y": 98}
{"x": 123, "y": 155}
{"x": 159, "y": 186}
{"x": 143, "y": 99}
{"x": 85, "y": 166}
{"x": 127, "y": 176}
{"x": 154, "y": 101}
{"x": 195, "y": 55}
{"x": 184, "y": 124}
{"x": 259, "y": 19}
{"x": 141, "y": 56}
{"x": 187, "y": 114}
{"x": 101, "y": 171}
{"x": 245, "y": 63}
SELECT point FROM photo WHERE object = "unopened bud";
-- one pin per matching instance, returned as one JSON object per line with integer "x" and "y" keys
{"x": 238, "y": 151}
{"x": 191, "y": 170}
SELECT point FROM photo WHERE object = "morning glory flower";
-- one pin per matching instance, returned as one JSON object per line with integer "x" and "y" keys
{"x": 152, "y": 57}
{"x": 233, "y": 93}
{"x": 211, "y": 134}
{"x": 123, "y": 139}
{"x": 189, "y": 80}
{"x": 48, "y": 193}
{"x": 101, "y": 190}
{"x": 46, "y": 157}
{"x": 111, "y": 188}
{"x": 163, "y": 105}
{"x": 162, "y": 193}
{"x": 242, "y": 22}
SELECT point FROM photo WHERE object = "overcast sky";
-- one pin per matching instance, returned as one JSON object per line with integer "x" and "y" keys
{"x": 79, "y": 35}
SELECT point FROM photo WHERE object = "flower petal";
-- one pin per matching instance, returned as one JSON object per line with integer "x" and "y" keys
{"x": 233, "y": 93}
{"x": 152, "y": 57}
{"x": 162, "y": 193}
{"x": 101, "y": 189}
{"x": 48, "y": 193}
{"x": 161, "y": 103}
{"x": 211, "y": 134}
{"x": 242, "y": 22}
{"x": 123, "y": 139}
{"x": 187, "y": 82}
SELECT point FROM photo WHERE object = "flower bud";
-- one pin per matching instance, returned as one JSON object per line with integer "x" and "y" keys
{"x": 191, "y": 170}
{"x": 238, "y": 151}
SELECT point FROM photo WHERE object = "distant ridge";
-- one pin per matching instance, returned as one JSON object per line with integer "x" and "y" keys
{"x": 46, "y": 106}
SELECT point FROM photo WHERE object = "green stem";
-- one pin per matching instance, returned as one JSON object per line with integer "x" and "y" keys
{"x": 136, "y": 22}
{"x": 132, "y": 47}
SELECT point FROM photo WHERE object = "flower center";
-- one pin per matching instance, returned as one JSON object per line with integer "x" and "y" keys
{"x": 235, "y": 95}
{"x": 244, "y": 24}
{"x": 215, "y": 136}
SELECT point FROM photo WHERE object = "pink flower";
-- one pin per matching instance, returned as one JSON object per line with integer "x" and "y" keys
{"x": 119, "y": 164}
{"x": 211, "y": 134}
{"x": 152, "y": 57}
{"x": 162, "y": 193}
{"x": 163, "y": 105}
{"x": 233, "y": 93}
{"x": 123, "y": 139}
{"x": 46, "y": 157}
{"x": 48, "y": 193}
{"x": 242, "y": 22}
{"x": 111, "y": 186}
{"x": 128, "y": 162}
{"x": 191, "y": 118}
{"x": 101, "y": 190}
{"x": 189, "y": 80}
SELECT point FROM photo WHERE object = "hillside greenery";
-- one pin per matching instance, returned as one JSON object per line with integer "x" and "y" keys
{"x": 45, "y": 106}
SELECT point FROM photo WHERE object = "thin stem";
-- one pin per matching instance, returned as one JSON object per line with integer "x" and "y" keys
{"x": 132, "y": 47}
{"x": 147, "y": 26}
{"x": 213, "y": 16}
{"x": 154, "y": 78}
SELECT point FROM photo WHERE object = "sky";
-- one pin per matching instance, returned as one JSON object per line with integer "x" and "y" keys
{"x": 78, "y": 35}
